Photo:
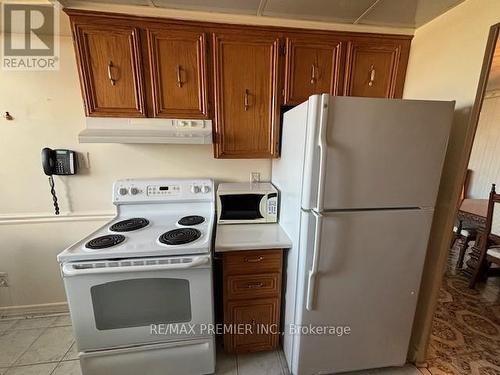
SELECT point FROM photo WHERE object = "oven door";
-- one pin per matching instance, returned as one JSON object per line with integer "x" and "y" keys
{"x": 136, "y": 301}
{"x": 242, "y": 208}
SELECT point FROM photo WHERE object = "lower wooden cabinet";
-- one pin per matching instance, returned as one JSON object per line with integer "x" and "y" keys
{"x": 252, "y": 299}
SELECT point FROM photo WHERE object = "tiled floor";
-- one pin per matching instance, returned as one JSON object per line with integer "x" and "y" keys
{"x": 45, "y": 346}
{"x": 38, "y": 346}
{"x": 466, "y": 329}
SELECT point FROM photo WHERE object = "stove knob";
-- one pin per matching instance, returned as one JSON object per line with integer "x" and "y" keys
{"x": 134, "y": 191}
{"x": 195, "y": 189}
{"x": 205, "y": 189}
{"x": 122, "y": 191}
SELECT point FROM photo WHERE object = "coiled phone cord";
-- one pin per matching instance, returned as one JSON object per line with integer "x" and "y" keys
{"x": 53, "y": 192}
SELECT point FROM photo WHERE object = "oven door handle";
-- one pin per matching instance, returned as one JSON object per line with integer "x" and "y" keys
{"x": 68, "y": 269}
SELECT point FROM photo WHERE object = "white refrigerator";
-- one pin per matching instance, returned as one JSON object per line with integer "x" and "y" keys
{"x": 358, "y": 179}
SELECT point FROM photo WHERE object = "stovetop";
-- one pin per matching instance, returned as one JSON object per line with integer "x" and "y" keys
{"x": 169, "y": 225}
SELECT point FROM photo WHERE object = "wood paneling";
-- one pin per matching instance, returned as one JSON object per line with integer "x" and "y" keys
{"x": 253, "y": 261}
{"x": 376, "y": 67}
{"x": 313, "y": 66}
{"x": 252, "y": 299}
{"x": 372, "y": 69}
{"x": 246, "y": 77}
{"x": 246, "y": 100}
{"x": 178, "y": 73}
{"x": 256, "y": 318}
{"x": 110, "y": 66}
{"x": 252, "y": 286}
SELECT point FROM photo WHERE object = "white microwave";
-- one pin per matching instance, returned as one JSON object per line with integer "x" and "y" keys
{"x": 247, "y": 203}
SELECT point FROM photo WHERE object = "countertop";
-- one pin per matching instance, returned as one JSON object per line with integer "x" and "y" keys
{"x": 232, "y": 237}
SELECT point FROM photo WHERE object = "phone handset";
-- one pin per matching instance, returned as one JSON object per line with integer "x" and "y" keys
{"x": 58, "y": 162}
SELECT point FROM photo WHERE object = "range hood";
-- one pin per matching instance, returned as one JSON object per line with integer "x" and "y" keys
{"x": 134, "y": 130}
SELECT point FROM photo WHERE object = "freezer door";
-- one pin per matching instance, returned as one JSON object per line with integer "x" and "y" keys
{"x": 377, "y": 153}
{"x": 363, "y": 291}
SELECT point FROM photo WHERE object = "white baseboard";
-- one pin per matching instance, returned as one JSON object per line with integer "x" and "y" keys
{"x": 26, "y": 310}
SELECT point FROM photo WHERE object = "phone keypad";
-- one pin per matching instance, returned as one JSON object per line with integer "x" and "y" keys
{"x": 60, "y": 167}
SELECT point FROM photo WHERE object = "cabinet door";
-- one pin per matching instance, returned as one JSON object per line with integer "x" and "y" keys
{"x": 109, "y": 60}
{"x": 246, "y": 100}
{"x": 178, "y": 73}
{"x": 372, "y": 69}
{"x": 312, "y": 67}
{"x": 260, "y": 319}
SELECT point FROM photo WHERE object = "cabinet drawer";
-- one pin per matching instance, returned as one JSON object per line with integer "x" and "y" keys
{"x": 252, "y": 261}
{"x": 260, "y": 320}
{"x": 253, "y": 286}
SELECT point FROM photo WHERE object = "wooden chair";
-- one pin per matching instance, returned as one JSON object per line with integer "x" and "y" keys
{"x": 490, "y": 241}
{"x": 465, "y": 232}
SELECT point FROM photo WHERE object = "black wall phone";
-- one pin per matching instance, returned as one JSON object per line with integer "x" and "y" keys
{"x": 58, "y": 162}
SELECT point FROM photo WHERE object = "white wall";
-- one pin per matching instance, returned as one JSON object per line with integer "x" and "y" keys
{"x": 485, "y": 157}
{"x": 445, "y": 63}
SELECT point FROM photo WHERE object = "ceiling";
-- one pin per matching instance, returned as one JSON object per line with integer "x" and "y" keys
{"x": 389, "y": 13}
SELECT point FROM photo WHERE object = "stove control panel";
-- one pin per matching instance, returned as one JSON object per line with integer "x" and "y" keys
{"x": 163, "y": 189}
{"x": 144, "y": 191}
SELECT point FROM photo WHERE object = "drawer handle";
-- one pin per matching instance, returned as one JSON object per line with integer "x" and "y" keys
{"x": 372, "y": 76}
{"x": 110, "y": 74}
{"x": 313, "y": 74}
{"x": 254, "y": 285}
{"x": 246, "y": 103}
{"x": 179, "y": 80}
{"x": 254, "y": 260}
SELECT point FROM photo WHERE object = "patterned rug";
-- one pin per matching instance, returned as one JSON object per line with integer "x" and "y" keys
{"x": 466, "y": 328}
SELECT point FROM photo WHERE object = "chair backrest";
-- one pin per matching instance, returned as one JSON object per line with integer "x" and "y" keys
{"x": 493, "y": 216}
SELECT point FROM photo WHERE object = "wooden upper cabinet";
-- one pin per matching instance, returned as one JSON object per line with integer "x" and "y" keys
{"x": 110, "y": 65}
{"x": 178, "y": 73}
{"x": 246, "y": 94}
{"x": 313, "y": 66}
{"x": 375, "y": 68}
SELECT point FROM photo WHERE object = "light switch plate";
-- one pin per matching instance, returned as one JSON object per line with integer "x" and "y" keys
{"x": 255, "y": 177}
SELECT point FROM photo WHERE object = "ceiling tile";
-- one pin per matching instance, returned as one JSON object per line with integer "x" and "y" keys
{"x": 344, "y": 11}
{"x": 427, "y": 10}
{"x": 224, "y": 6}
{"x": 406, "y": 13}
{"x": 124, "y": 2}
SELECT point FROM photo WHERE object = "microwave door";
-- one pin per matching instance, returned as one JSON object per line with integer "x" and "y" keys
{"x": 242, "y": 208}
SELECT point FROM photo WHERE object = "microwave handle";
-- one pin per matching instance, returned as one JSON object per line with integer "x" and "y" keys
{"x": 263, "y": 205}
{"x": 68, "y": 269}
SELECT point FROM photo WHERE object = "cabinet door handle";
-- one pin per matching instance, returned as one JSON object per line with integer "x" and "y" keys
{"x": 179, "y": 80}
{"x": 254, "y": 285}
{"x": 313, "y": 74}
{"x": 246, "y": 102}
{"x": 110, "y": 74}
{"x": 372, "y": 76}
{"x": 254, "y": 260}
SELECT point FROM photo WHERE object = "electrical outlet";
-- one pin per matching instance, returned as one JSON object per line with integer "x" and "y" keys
{"x": 255, "y": 177}
{"x": 3, "y": 280}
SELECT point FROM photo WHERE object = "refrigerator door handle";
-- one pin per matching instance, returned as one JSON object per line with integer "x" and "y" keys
{"x": 311, "y": 282}
{"x": 323, "y": 150}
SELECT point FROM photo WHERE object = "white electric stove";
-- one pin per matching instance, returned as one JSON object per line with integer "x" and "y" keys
{"x": 139, "y": 288}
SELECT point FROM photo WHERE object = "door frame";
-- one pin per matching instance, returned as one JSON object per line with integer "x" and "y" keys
{"x": 447, "y": 205}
